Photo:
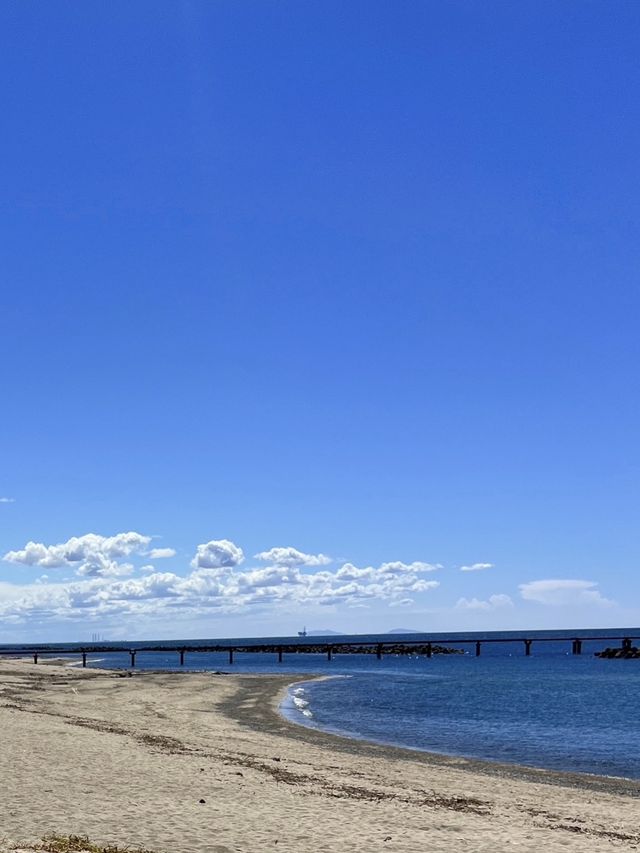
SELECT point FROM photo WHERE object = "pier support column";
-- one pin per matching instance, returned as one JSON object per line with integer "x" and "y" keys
{"x": 181, "y": 657}
{"x": 527, "y": 647}
{"x": 379, "y": 651}
{"x": 279, "y": 654}
{"x": 478, "y": 647}
{"x": 329, "y": 651}
{"x": 230, "y": 656}
{"x": 132, "y": 655}
{"x": 84, "y": 659}
{"x": 35, "y": 657}
{"x": 626, "y": 644}
{"x": 429, "y": 650}
{"x": 576, "y": 647}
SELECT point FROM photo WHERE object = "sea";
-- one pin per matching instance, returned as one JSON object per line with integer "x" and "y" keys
{"x": 552, "y": 709}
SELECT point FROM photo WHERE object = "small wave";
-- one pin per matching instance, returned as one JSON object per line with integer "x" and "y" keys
{"x": 300, "y": 703}
{"x": 307, "y": 713}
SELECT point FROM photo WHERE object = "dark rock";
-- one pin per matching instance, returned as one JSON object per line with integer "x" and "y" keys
{"x": 631, "y": 652}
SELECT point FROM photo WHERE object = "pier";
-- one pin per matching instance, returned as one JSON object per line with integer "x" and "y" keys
{"x": 328, "y": 648}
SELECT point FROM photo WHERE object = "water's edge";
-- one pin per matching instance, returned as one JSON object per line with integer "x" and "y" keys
{"x": 294, "y": 713}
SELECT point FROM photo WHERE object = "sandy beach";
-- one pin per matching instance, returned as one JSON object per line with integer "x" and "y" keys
{"x": 182, "y": 763}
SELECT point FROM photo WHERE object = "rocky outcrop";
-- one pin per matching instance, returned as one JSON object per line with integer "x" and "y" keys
{"x": 623, "y": 653}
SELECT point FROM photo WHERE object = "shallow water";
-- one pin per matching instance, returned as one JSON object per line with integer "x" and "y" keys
{"x": 563, "y": 713}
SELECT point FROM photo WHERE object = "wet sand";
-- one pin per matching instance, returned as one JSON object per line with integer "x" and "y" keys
{"x": 128, "y": 761}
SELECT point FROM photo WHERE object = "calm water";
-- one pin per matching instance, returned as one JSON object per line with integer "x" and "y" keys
{"x": 551, "y": 710}
{"x": 560, "y": 713}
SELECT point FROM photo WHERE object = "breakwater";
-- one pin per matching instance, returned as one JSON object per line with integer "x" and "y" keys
{"x": 331, "y": 647}
{"x": 625, "y": 652}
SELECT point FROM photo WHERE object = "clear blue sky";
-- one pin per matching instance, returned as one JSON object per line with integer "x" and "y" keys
{"x": 355, "y": 278}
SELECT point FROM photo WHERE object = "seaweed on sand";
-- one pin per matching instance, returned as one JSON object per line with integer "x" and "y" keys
{"x": 73, "y": 844}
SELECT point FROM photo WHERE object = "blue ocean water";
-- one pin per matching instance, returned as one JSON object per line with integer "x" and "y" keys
{"x": 558, "y": 713}
{"x": 552, "y": 710}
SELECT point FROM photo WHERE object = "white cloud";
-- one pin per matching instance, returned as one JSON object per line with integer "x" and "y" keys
{"x": 161, "y": 553}
{"x": 90, "y": 555}
{"x": 100, "y": 595}
{"x": 403, "y": 602}
{"x": 387, "y": 570}
{"x": 216, "y": 554}
{"x": 398, "y": 568}
{"x": 560, "y": 593}
{"x": 494, "y": 602}
{"x": 292, "y": 557}
{"x": 476, "y": 567}
{"x": 7, "y": 500}
{"x": 97, "y": 565}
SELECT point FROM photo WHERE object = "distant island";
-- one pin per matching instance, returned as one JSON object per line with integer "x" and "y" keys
{"x": 404, "y": 631}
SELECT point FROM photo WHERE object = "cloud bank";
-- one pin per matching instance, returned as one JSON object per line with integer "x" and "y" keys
{"x": 559, "y": 593}
{"x": 111, "y": 579}
{"x": 105, "y": 586}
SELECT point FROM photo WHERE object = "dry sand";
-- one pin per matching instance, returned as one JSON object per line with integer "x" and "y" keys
{"x": 129, "y": 761}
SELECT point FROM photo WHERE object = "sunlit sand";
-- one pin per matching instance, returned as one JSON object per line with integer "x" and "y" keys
{"x": 182, "y": 763}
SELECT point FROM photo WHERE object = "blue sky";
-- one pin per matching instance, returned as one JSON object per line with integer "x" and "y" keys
{"x": 354, "y": 279}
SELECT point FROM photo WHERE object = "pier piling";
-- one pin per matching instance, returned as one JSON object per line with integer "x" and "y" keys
{"x": 377, "y": 647}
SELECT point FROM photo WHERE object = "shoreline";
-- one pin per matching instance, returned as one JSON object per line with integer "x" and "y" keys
{"x": 350, "y": 744}
{"x": 203, "y": 763}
